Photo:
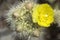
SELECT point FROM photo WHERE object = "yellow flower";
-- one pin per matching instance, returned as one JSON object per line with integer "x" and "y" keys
{"x": 43, "y": 14}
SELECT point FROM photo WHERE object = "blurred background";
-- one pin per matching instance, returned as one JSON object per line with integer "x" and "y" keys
{"x": 6, "y": 34}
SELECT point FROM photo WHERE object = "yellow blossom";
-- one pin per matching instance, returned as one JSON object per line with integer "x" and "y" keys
{"x": 43, "y": 14}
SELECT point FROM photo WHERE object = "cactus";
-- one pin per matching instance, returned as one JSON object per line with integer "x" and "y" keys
{"x": 20, "y": 19}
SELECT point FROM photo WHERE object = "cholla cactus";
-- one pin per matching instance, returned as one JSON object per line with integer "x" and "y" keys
{"x": 20, "y": 18}
{"x": 57, "y": 16}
